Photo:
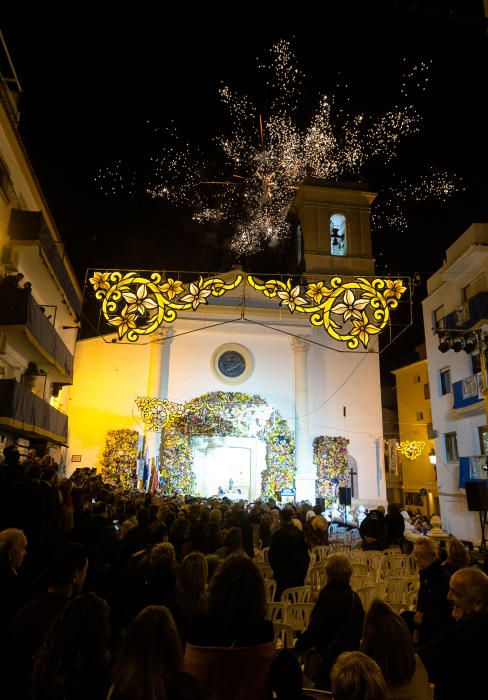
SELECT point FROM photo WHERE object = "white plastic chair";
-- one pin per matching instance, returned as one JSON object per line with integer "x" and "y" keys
{"x": 396, "y": 592}
{"x": 297, "y": 594}
{"x": 297, "y": 616}
{"x": 357, "y": 582}
{"x": 359, "y": 569}
{"x": 276, "y": 611}
{"x": 315, "y": 578}
{"x": 283, "y": 635}
{"x": 392, "y": 551}
{"x": 368, "y": 593}
{"x": 321, "y": 552}
{"x": 269, "y": 589}
{"x": 266, "y": 571}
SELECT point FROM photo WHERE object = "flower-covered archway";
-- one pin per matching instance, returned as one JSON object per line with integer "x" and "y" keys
{"x": 233, "y": 414}
{"x": 331, "y": 458}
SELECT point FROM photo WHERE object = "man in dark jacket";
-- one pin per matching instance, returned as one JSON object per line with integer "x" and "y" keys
{"x": 288, "y": 554}
{"x": 456, "y": 659}
{"x": 433, "y": 608}
{"x": 336, "y": 623}
{"x": 373, "y": 529}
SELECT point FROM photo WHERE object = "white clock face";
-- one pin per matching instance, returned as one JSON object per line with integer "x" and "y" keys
{"x": 232, "y": 364}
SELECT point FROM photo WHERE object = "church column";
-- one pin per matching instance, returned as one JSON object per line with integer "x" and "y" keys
{"x": 305, "y": 473}
{"x": 157, "y": 385}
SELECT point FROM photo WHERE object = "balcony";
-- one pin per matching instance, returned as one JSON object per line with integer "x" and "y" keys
{"x": 26, "y": 415}
{"x": 472, "y": 313}
{"x": 28, "y": 226}
{"x": 472, "y": 468}
{"x": 467, "y": 392}
{"x": 31, "y": 334}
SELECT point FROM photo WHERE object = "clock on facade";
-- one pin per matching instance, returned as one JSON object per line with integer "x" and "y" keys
{"x": 232, "y": 363}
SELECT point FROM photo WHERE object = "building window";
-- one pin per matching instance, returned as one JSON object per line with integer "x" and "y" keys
{"x": 426, "y": 391}
{"x": 483, "y": 434}
{"x": 444, "y": 381}
{"x": 450, "y": 444}
{"x": 417, "y": 379}
{"x": 438, "y": 319}
{"x": 420, "y": 415}
{"x": 338, "y": 240}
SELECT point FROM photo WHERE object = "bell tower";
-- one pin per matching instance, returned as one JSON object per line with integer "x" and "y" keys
{"x": 334, "y": 228}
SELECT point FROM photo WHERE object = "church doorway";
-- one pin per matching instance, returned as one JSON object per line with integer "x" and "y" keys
{"x": 228, "y": 466}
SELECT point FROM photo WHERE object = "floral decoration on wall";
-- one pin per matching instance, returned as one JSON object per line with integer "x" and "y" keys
{"x": 234, "y": 414}
{"x": 119, "y": 457}
{"x": 331, "y": 457}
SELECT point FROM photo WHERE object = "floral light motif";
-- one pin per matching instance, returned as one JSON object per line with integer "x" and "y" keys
{"x": 411, "y": 449}
{"x": 363, "y": 311}
{"x": 137, "y": 304}
{"x": 158, "y": 414}
{"x": 349, "y": 311}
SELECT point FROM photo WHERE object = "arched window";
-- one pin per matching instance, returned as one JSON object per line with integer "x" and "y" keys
{"x": 338, "y": 238}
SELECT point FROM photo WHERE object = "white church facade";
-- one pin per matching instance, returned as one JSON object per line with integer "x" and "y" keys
{"x": 253, "y": 385}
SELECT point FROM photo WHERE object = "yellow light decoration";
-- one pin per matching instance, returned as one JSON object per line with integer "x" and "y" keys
{"x": 348, "y": 311}
{"x": 137, "y": 305}
{"x": 411, "y": 449}
{"x": 158, "y": 414}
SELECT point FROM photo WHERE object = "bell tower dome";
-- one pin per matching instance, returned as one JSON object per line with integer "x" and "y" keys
{"x": 335, "y": 228}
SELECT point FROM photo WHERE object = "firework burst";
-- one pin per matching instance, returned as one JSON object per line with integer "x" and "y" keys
{"x": 266, "y": 156}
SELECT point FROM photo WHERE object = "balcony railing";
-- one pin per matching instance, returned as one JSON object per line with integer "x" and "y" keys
{"x": 469, "y": 314}
{"x": 467, "y": 391}
{"x": 30, "y": 226}
{"x": 18, "y": 309}
{"x": 25, "y": 414}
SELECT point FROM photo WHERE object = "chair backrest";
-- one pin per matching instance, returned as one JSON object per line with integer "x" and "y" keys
{"x": 269, "y": 589}
{"x": 266, "y": 571}
{"x": 239, "y": 673}
{"x": 276, "y": 611}
{"x": 265, "y": 551}
{"x": 339, "y": 546}
{"x": 359, "y": 569}
{"x": 315, "y": 578}
{"x": 411, "y": 599}
{"x": 297, "y": 616}
{"x": 368, "y": 593}
{"x": 361, "y": 581}
{"x": 396, "y": 592}
{"x": 391, "y": 551}
{"x": 298, "y": 594}
{"x": 283, "y": 635}
{"x": 320, "y": 551}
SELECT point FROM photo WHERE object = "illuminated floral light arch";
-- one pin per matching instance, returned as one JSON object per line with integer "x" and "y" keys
{"x": 233, "y": 414}
{"x": 411, "y": 449}
{"x": 331, "y": 458}
{"x": 138, "y": 303}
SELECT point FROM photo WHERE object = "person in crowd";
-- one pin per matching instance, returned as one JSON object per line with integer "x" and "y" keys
{"x": 12, "y": 281}
{"x": 179, "y": 536}
{"x": 395, "y": 526}
{"x": 137, "y": 537}
{"x": 231, "y": 651}
{"x": 236, "y": 607}
{"x": 357, "y": 677}
{"x": 65, "y": 579}
{"x": 11, "y": 472}
{"x": 288, "y": 554}
{"x": 387, "y": 640}
{"x": 316, "y": 531}
{"x": 74, "y": 661}
{"x": 433, "y": 610}
{"x": 190, "y": 601}
{"x": 373, "y": 529}
{"x": 232, "y": 543}
{"x": 456, "y": 658}
{"x": 214, "y": 534}
{"x": 286, "y": 677}
{"x": 151, "y": 662}
{"x": 161, "y": 575}
{"x": 457, "y": 556}
{"x": 130, "y": 520}
{"x": 336, "y": 621}
{"x": 13, "y": 549}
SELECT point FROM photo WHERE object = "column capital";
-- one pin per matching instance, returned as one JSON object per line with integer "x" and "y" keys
{"x": 300, "y": 344}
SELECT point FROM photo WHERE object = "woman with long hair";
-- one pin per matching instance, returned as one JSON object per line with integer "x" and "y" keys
{"x": 151, "y": 661}
{"x": 387, "y": 640}
{"x": 190, "y": 600}
{"x": 457, "y": 556}
{"x": 74, "y": 661}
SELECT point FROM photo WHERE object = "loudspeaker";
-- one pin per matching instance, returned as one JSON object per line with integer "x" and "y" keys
{"x": 320, "y": 502}
{"x": 344, "y": 495}
{"x": 477, "y": 495}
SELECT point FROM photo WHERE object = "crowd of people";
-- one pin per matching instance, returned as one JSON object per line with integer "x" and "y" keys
{"x": 106, "y": 593}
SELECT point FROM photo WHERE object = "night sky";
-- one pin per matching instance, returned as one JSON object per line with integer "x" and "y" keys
{"x": 96, "y": 89}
